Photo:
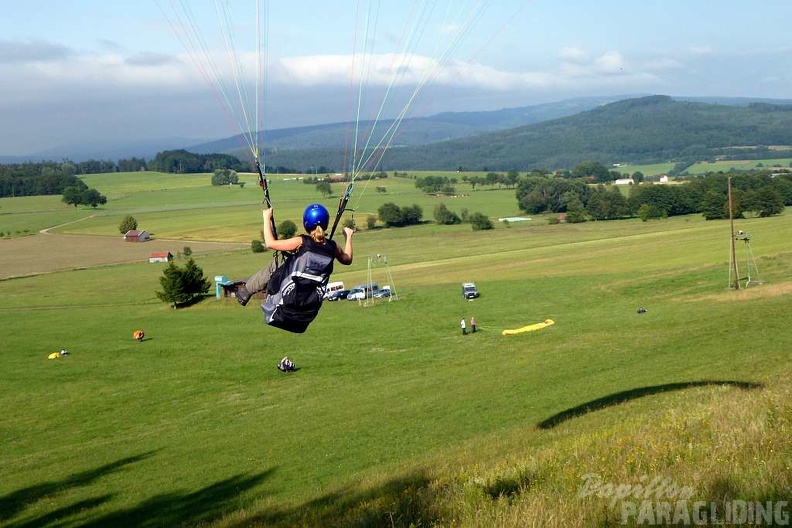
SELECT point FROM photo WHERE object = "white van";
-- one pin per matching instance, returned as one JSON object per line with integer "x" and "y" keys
{"x": 333, "y": 287}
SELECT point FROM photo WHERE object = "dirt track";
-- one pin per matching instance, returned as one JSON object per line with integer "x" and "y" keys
{"x": 44, "y": 253}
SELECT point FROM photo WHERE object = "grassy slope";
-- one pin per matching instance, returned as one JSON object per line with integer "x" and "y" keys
{"x": 394, "y": 416}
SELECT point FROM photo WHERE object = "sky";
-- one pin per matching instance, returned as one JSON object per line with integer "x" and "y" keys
{"x": 82, "y": 71}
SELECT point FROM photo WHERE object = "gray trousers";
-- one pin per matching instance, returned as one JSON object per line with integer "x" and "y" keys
{"x": 258, "y": 282}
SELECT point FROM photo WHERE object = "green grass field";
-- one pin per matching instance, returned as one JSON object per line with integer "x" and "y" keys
{"x": 394, "y": 418}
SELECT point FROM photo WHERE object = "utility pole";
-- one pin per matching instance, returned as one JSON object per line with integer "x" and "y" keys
{"x": 736, "y": 276}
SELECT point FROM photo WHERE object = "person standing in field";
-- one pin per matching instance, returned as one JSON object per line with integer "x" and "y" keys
{"x": 462, "y": 326}
{"x": 472, "y": 325}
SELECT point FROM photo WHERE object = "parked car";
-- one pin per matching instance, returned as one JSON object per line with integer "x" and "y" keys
{"x": 363, "y": 291}
{"x": 384, "y": 292}
{"x": 337, "y": 295}
{"x": 469, "y": 291}
{"x": 356, "y": 294}
{"x": 333, "y": 287}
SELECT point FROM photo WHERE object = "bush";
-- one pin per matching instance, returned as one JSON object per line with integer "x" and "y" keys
{"x": 444, "y": 216}
{"x": 257, "y": 246}
{"x": 392, "y": 215}
{"x": 480, "y": 221}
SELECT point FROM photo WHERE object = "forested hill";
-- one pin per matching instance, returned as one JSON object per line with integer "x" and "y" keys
{"x": 644, "y": 130}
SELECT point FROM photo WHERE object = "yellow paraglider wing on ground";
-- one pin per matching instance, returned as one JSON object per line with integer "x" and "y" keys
{"x": 529, "y": 328}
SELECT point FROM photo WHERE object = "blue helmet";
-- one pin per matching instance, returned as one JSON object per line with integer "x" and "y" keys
{"x": 315, "y": 215}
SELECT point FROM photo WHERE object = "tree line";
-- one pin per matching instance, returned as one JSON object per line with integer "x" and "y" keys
{"x": 762, "y": 193}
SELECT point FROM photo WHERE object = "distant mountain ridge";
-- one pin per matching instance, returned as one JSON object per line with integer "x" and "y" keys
{"x": 651, "y": 129}
{"x": 415, "y": 131}
{"x": 316, "y": 143}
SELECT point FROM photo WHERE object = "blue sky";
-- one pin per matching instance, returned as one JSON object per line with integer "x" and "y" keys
{"x": 93, "y": 70}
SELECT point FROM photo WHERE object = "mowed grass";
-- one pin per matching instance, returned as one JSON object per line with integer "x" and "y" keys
{"x": 166, "y": 204}
{"x": 394, "y": 417}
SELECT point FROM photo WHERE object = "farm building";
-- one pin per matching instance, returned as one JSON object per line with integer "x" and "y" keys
{"x": 133, "y": 235}
{"x": 160, "y": 256}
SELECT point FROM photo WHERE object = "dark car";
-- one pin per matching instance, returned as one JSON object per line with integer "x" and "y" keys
{"x": 384, "y": 292}
{"x": 469, "y": 291}
{"x": 338, "y": 295}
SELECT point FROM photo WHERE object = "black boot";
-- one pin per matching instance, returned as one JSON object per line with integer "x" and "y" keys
{"x": 242, "y": 294}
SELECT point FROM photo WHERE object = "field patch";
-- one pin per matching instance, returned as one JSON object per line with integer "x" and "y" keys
{"x": 45, "y": 253}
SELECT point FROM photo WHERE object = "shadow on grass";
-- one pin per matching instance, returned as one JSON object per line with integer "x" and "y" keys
{"x": 402, "y": 502}
{"x": 184, "y": 509}
{"x": 14, "y": 503}
{"x": 632, "y": 394}
{"x": 171, "y": 509}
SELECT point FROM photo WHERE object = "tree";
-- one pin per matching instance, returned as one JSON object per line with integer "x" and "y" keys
{"x": 511, "y": 178}
{"x": 257, "y": 246}
{"x": 649, "y": 212}
{"x": 435, "y": 185}
{"x": 479, "y": 221}
{"x": 766, "y": 201}
{"x": 390, "y": 214}
{"x": 287, "y": 229}
{"x": 714, "y": 206}
{"x": 411, "y": 215}
{"x": 73, "y": 196}
{"x": 181, "y": 285}
{"x": 127, "y": 224}
{"x": 593, "y": 169}
{"x": 225, "y": 177}
{"x": 324, "y": 188}
{"x": 575, "y": 211}
{"x": 93, "y": 198}
{"x": 444, "y": 216}
{"x": 371, "y": 221}
{"x": 171, "y": 286}
{"x": 607, "y": 204}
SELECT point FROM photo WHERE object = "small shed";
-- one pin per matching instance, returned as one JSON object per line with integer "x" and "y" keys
{"x": 160, "y": 256}
{"x": 133, "y": 235}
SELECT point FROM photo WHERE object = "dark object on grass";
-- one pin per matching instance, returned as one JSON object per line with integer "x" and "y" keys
{"x": 642, "y": 310}
{"x": 286, "y": 365}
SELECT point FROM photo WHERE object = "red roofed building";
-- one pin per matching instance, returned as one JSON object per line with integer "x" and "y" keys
{"x": 133, "y": 235}
{"x": 160, "y": 256}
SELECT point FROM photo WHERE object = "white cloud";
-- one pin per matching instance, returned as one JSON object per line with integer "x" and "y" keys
{"x": 577, "y": 63}
{"x": 609, "y": 62}
{"x": 573, "y": 54}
